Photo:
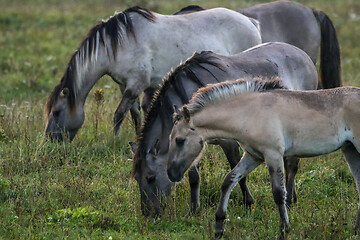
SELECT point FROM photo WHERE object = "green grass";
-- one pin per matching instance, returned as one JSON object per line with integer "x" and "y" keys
{"x": 82, "y": 190}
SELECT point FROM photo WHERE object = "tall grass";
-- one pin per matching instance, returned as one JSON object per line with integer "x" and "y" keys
{"x": 82, "y": 190}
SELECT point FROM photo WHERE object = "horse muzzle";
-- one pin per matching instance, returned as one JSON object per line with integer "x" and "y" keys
{"x": 175, "y": 174}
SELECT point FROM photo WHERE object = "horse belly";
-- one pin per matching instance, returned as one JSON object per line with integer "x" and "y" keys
{"x": 314, "y": 144}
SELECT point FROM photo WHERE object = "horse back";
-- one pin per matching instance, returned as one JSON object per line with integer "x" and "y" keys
{"x": 277, "y": 59}
{"x": 283, "y": 21}
{"x": 305, "y": 123}
{"x": 220, "y": 30}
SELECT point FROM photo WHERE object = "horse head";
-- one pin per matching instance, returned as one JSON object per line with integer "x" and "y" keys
{"x": 64, "y": 116}
{"x": 150, "y": 173}
{"x": 186, "y": 144}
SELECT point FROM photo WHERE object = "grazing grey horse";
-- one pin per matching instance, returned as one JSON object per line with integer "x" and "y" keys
{"x": 268, "y": 60}
{"x": 298, "y": 25}
{"x": 137, "y": 48}
{"x": 326, "y": 120}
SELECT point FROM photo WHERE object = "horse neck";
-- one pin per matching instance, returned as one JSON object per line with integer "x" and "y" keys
{"x": 220, "y": 121}
{"x": 158, "y": 131}
{"x": 89, "y": 71}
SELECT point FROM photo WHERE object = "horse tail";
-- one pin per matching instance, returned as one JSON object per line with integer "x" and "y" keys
{"x": 330, "y": 66}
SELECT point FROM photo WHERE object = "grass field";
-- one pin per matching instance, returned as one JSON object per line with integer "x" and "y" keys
{"x": 82, "y": 190}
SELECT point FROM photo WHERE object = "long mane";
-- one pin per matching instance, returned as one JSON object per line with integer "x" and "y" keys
{"x": 214, "y": 93}
{"x": 115, "y": 28}
{"x": 161, "y": 104}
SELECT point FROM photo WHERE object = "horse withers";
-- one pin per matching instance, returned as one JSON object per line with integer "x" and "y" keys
{"x": 137, "y": 48}
{"x": 260, "y": 116}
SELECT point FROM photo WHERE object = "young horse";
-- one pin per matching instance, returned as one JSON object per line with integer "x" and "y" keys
{"x": 244, "y": 110}
{"x": 283, "y": 21}
{"x": 266, "y": 60}
{"x": 137, "y": 48}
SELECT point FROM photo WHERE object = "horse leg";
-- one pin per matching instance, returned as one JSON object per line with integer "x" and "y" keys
{"x": 291, "y": 168}
{"x": 127, "y": 102}
{"x": 352, "y": 157}
{"x": 275, "y": 164}
{"x": 134, "y": 111}
{"x": 194, "y": 180}
{"x": 243, "y": 168}
{"x": 136, "y": 115}
{"x": 231, "y": 150}
{"x": 146, "y": 101}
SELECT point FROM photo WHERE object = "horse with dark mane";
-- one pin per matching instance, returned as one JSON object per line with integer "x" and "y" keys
{"x": 291, "y": 64}
{"x": 326, "y": 120}
{"x": 137, "y": 48}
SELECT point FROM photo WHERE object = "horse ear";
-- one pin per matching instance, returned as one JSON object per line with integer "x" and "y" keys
{"x": 186, "y": 114}
{"x": 133, "y": 146}
{"x": 64, "y": 93}
{"x": 157, "y": 147}
{"x": 176, "y": 109}
{"x": 177, "y": 114}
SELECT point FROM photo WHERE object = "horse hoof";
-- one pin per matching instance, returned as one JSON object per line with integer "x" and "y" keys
{"x": 248, "y": 201}
{"x": 219, "y": 234}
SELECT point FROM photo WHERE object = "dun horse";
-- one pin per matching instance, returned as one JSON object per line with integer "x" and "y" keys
{"x": 268, "y": 60}
{"x": 137, "y": 48}
{"x": 263, "y": 123}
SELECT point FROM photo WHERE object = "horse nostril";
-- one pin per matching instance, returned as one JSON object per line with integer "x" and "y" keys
{"x": 171, "y": 175}
{"x": 56, "y": 114}
{"x": 151, "y": 178}
{"x": 179, "y": 141}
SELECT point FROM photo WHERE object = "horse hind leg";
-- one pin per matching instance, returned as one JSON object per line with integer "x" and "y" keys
{"x": 291, "y": 168}
{"x": 352, "y": 157}
{"x": 275, "y": 164}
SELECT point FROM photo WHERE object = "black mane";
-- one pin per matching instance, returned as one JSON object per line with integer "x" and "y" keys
{"x": 189, "y": 9}
{"x": 173, "y": 80}
{"x": 112, "y": 27}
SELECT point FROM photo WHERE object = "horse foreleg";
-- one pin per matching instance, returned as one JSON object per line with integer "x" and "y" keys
{"x": 194, "y": 180}
{"x": 243, "y": 168}
{"x": 127, "y": 102}
{"x": 291, "y": 168}
{"x": 146, "y": 101}
{"x": 275, "y": 164}
{"x": 134, "y": 111}
{"x": 136, "y": 115}
{"x": 231, "y": 150}
{"x": 352, "y": 156}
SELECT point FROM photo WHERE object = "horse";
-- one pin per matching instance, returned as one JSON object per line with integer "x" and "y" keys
{"x": 282, "y": 21}
{"x": 137, "y": 48}
{"x": 293, "y": 65}
{"x": 260, "y": 116}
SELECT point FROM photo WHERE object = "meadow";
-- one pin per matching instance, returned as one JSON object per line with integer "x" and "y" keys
{"x": 83, "y": 190}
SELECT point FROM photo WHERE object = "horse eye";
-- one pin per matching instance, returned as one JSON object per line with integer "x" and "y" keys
{"x": 192, "y": 129}
{"x": 180, "y": 141}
